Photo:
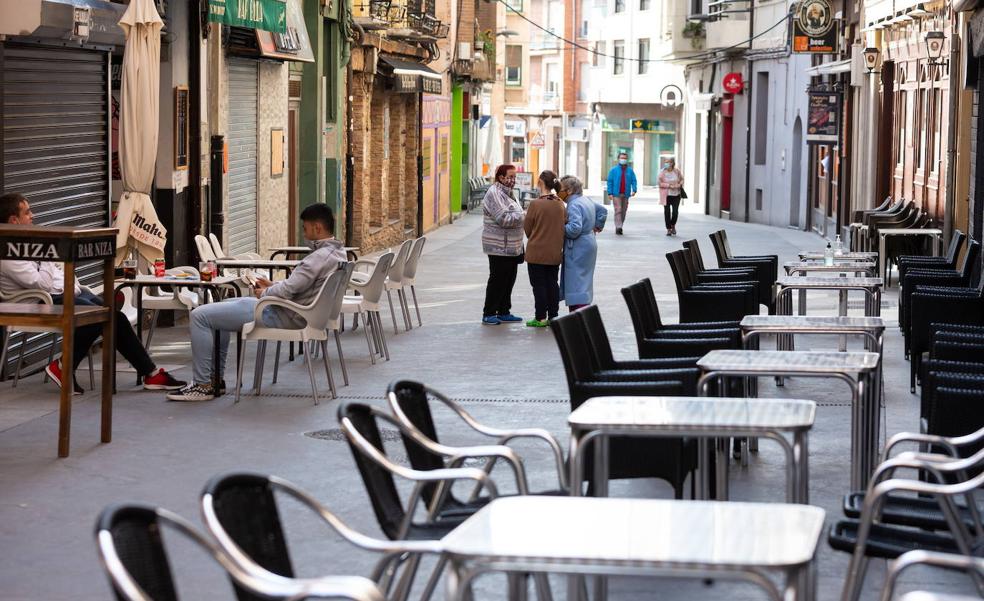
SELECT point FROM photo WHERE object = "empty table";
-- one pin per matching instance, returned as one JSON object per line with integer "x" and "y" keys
{"x": 860, "y": 370}
{"x": 858, "y": 268}
{"x": 870, "y": 286}
{"x": 808, "y": 255}
{"x": 888, "y": 232}
{"x": 638, "y": 537}
{"x": 699, "y": 417}
{"x": 752, "y": 326}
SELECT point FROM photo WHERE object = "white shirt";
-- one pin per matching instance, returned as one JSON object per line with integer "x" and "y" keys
{"x": 16, "y": 276}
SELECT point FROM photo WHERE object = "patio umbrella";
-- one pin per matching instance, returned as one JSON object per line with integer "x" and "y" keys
{"x": 139, "y": 114}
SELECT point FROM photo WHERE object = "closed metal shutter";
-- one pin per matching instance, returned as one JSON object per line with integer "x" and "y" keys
{"x": 55, "y": 143}
{"x": 243, "y": 98}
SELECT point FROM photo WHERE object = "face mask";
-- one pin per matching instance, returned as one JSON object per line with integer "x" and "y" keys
{"x": 623, "y": 161}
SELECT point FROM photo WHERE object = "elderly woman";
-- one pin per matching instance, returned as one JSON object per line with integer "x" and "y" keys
{"x": 585, "y": 218}
{"x": 502, "y": 241}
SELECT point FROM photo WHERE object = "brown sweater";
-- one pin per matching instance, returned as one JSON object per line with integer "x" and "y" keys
{"x": 544, "y": 225}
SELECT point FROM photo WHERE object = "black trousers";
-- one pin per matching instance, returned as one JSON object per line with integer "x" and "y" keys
{"x": 671, "y": 210}
{"x": 498, "y": 290}
{"x": 546, "y": 289}
{"x": 127, "y": 342}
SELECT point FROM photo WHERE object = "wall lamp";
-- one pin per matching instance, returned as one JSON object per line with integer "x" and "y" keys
{"x": 872, "y": 59}
{"x": 934, "y": 48}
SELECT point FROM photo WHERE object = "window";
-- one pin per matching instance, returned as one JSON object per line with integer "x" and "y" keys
{"x": 937, "y": 141}
{"x": 761, "y": 118}
{"x": 585, "y": 89}
{"x": 514, "y": 65}
{"x": 584, "y": 11}
{"x": 598, "y": 58}
{"x": 643, "y": 56}
{"x": 553, "y": 77}
{"x": 902, "y": 116}
{"x": 696, "y": 7}
{"x": 620, "y": 6}
{"x": 920, "y": 125}
{"x": 618, "y": 49}
{"x": 644, "y": 4}
{"x": 515, "y": 4}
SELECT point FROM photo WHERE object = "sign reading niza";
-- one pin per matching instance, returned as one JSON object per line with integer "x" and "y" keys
{"x": 58, "y": 250}
{"x": 268, "y": 15}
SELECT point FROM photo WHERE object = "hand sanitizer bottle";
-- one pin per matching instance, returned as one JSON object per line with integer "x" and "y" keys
{"x": 828, "y": 255}
{"x": 838, "y": 247}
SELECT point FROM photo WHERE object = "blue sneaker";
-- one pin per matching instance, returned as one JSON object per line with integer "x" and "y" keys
{"x": 491, "y": 320}
{"x": 509, "y": 317}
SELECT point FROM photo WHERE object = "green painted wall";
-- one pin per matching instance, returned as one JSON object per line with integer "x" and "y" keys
{"x": 459, "y": 148}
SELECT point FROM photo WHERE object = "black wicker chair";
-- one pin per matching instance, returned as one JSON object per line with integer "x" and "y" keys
{"x": 768, "y": 265}
{"x": 757, "y": 272}
{"x": 950, "y": 278}
{"x": 948, "y": 261}
{"x": 710, "y": 302}
{"x": 961, "y": 306}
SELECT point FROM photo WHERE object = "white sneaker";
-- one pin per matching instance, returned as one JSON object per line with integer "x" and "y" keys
{"x": 195, "y": 392}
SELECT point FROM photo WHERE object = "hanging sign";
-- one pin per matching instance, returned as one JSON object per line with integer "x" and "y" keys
{"x": 537, "y": 141}
{"x": 814, "y": 28}
{"x": 268, "y": 15}
{"x": 823, "y": 122}
{"x": 733, "y": 83}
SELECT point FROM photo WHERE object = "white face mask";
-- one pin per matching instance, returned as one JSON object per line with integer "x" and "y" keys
{"x": 623, "y": 161}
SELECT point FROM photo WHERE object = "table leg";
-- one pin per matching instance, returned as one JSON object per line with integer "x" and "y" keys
{"x": 842, "y": 311}
{"x": 721, "y": 468}
{"x": 576, "y": 466}
{"x": 108, "y": 353}
{"x": 858, "y": 426}
{"x": 138, "y": 291}
{"x": 601, "y": 490}
{"x": 67, "y": 362}
{"x": 703, "y": 468}
{"x": 802, "y": 466}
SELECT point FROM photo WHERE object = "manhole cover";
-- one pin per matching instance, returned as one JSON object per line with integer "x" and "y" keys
{"x": 336, "y": 435}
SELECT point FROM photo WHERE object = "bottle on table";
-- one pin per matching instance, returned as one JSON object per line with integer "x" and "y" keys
{"x": 838, "y": 247}
{"x": 828, "y": 255}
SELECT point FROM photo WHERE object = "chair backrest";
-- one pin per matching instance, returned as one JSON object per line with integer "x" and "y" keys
{"x": 216, "y": 246}
{"x": 205, "y": 251}
{"x": 410, "y": 271}
{"x": 247, "y": 512}
{"x": 337, "y": 290}
{"x": 413, "y": 404}
{"x": 681, "y": 273}
{"x": 359, "y": 423}
{"x": 601, "y": 346}
{"x": 636, "y": 314}
{"x": 695, "y": 257}
{"x": 399, "y": 264}
{"x": 372, "y": 291}
{"x": 319, "y": 311}
{"x": 574, "y": 348}
{"x": 719, "y": 241}
{"x": 970, "y": 260}
{"x": 132, "y": 552}
{"x": 955, "y": 243}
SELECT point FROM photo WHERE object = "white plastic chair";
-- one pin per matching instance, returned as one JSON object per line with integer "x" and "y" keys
{"x": 394, "y": 281}
{"x": 315, "y": 315}
{"x": 180, "y": 299}
{"x": 217, "y": 247}
{"x": 366, "y": 304}
{"x": 410, "y": 273}
{"x": 205, "y": 251}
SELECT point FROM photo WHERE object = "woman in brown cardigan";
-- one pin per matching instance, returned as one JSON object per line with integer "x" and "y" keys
{"x": 544, "y": 227}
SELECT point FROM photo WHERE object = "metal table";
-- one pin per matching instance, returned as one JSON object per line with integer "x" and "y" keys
{"x": 859, "y": 370}
{"x": 699, "y": 417}
{"x": 870, "y": 286}
{"x": 352, "y": 252}
{"x": 885, "y": 233}
{"x": 638, "y": 537}
{"x": 858, "y": 268}
{"x": 753, "y": 326}
{"x": 812, "y": 255}
{"x": 208, "y": 288}
{"x": 267, "y": 264}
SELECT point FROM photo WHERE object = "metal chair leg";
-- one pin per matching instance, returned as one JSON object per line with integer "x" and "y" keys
{"x": 276, "y": 362}
{"x": 153, "y": 326}
{"x": 20, "y": 360}
{"x": 92, "y": 375}
{"x": 405, "y": 310}
{"x": 389, "y": 297}
{"x": 382, "y": 336}
{"x": 239, "y": 370}
{"x": 51, "y": 357}
{"x": 331, "y": 378}
{"x": 372, "y": 354}
{"x": 416, "y": 306}
{"x": 258, "y": 366}
{"x": 314, "y": 384}
{"x": 341, "y": 359}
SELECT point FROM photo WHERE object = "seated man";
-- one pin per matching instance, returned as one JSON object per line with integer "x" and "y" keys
{"x": 231, "y": 315}
{"x": 50, "y": 277}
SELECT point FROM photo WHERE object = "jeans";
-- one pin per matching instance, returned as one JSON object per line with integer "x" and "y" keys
{"x": 127, "y": 343}
{"x": 621, "y": 208}
{"x": 671, "y": 210}
{"x": 227, "y": 316}
{"x": 546, "y": 289}
{"x": 498, "y": 290}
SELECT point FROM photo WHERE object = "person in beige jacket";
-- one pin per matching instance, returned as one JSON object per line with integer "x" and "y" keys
{"x": 544, "y": 227}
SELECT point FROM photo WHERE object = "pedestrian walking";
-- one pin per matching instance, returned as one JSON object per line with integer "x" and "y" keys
{"x": 502, "y": 241}
{"x": 622, "y": 185}
{"x": 670, "y": 190}
{"x": 544, "y": 227}
{"x": 585, "y": 218}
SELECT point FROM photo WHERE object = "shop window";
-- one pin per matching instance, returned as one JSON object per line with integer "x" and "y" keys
{"x": 618, "y": 49}
{"x": 620, "y": 6}
{"x": 514, "y": 65}
{"x": 643, "y": 56}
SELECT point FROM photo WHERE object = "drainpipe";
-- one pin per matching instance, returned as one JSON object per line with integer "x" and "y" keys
{"x": 709, "y": 161}
{"x": 748, "y": 114}
{"x": 951, "y": 140}
{"x": 420, "y": 166}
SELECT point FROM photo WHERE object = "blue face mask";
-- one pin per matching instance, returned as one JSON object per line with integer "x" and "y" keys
{"x": 623, "y": 161}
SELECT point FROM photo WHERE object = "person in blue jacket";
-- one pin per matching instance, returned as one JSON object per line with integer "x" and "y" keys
{"x": 622, "y": 185}
{"x": 585, "y": 218}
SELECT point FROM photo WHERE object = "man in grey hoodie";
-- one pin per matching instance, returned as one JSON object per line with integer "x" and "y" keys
{"x": 230, "y": 316}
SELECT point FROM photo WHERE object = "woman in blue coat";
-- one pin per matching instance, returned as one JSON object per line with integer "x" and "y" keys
{"x": 585, "y": 218}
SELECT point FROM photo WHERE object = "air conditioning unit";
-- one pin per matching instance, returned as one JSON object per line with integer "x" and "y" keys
{"x": 465, "y": 50}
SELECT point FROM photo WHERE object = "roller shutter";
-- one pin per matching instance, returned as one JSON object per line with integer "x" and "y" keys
{"x": 54, "y": 104}
{"x": 243, "y": 99}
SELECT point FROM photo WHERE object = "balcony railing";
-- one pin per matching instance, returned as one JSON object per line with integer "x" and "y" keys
{"x": 544, "y": 42}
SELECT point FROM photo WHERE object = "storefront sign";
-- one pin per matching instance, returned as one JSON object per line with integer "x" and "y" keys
{"x": 733, "y": 83}
{"x": 814, "y": 28}
{"x": 514, "y": 128}
{"x": 268, "y": 15}
{"x": 823, "y": 123}
{"x": 650, "y": 125}
{"x": 415, "y": 83}
{"x": 62, "y": 249}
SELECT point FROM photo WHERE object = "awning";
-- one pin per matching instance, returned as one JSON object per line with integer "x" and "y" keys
{"x": 411, "y": 76}
{"x": 832, "y": 68}
{"x": 268, "y": 15}
{"x": 95, "y": 21}
{"x": 293, "y": 44}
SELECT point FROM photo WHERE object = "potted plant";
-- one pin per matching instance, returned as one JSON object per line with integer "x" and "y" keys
{"x": 695, "y": 32}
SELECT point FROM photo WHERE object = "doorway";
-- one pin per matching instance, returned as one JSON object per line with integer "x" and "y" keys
{"x": 795, "y": 174}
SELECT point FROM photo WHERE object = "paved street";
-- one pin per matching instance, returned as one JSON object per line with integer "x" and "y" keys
{"x": 164, "y": 452}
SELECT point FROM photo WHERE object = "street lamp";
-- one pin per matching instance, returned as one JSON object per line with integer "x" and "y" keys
{"x": 872, "y": 59}
{"x": 934, "y": 47}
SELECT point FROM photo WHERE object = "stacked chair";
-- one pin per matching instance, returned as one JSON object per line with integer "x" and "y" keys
{"x": 766, "y": 265}
{"x": 896, "y": 214}
{"x": 953, "y": 381}
{"x": 759, "y": 270}
{"x": 933, "y": 510}
{"x": 858, "y": 226}
{"x": 948, "y": 261}
{"x": 703, "y": 299}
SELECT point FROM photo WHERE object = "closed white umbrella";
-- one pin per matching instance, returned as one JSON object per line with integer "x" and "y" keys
{"x": 139, "y": 115}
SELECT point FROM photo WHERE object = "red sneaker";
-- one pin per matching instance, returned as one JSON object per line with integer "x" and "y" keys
{"x": 161, "y": 380}
{"x": 54, "y": 372}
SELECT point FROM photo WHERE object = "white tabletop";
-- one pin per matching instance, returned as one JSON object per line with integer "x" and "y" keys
{"x": 780, "y": 361}
{"x": 926, "y": 596}
{"x": 151, "y": 280}
{"x": 913, "y": 231}
{"x": 837, "y": 266}
{"x": 639, "y": 533}
{"x": 847, "y": 256}
{"x": 833, "y": 283}
{"x": 693, "y": 414}
{"x": 259, "y": 263}
{"x": 304, "y": 249}
{"x": 804, "y": 323}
